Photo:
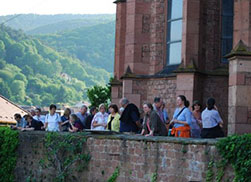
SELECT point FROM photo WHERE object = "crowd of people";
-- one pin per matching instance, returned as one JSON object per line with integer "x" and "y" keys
{"x": 154, "y": 121}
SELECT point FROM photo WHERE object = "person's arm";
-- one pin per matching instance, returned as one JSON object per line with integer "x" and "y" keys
{"x": 59, "y": 122}
{"x": 28, "y": 129}
{"x": 144, "y": 129}
{"x": 96, "y": 124}
{"x": 219, "y": 120}
{"x": 136, "y": 119}
{"x": 150, "y": 134}
{"x": 65, "y": 122}
{"x": 142, "y": 132}
{"x": 45, "y": 125}
{"x": 75, "y": 129}
{"x": 187, "y": 117}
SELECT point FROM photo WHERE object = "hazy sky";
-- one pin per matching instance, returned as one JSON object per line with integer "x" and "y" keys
{"x": 57, "y": 6}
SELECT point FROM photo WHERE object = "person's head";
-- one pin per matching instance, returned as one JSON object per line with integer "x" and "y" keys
{"x": 38, "y": 111}
{"x": 73, "y": 118}
{"x": 17, "y": 117}
{"x": 157, "y": 102}
{"x": 83, "y": 109}
{"x": 124, "y": 102}
{"x": 67, "y": 112}
{"x": 101, "y": 108}
{"x": 53, "y": 109}
{"x": 181, "y": 101}
{"x": 93, "y": 110}
{"x": 210, "y": 103}
{"x": 196, "y": 106}
{"x": 147, "y": 107}
{"x": 113, "y": 108}
{"x": 32, "y": 112}
{"x": 28, "y": 118}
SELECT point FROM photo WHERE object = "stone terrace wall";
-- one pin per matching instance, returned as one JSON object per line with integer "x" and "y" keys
{"x": 173, "y": 159}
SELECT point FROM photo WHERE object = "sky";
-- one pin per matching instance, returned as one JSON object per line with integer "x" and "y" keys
{"x": 8, "y": 7}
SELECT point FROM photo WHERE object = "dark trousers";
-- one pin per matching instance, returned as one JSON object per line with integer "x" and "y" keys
{"x": 214, "y": 132}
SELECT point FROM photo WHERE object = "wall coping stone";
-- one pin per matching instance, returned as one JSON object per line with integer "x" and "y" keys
{"x": 109, "y": 136}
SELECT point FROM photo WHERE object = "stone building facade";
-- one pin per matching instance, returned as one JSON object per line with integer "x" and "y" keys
{"x": 170, "y": 47}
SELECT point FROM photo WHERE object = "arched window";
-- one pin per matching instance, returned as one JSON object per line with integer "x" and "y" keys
{"x": 174, "y": 31}
{"x": 226, "y": 28}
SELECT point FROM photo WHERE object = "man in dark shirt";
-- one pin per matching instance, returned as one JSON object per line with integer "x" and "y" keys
{"x": 130, "y": 117}
{"x": 88, "y": 119}
{"x": 32, "y": 124}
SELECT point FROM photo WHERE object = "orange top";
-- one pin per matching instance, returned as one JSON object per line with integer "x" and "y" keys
{"x": 184, "y": 131}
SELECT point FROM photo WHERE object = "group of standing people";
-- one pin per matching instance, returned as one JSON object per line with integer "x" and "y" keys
{"x": 154, "y": 121}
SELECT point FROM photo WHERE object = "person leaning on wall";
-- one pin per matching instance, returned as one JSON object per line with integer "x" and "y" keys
{"x": 152, "y": 123}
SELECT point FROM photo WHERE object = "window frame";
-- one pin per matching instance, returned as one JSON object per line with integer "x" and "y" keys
{"x": 225, "y": 37}
{"x": 168, "y": 39}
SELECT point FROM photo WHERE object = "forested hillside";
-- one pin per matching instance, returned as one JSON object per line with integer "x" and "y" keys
{"x": 94, "y": 45}
{"x": 90, "y": 38}
{"x": 34, "y": 74}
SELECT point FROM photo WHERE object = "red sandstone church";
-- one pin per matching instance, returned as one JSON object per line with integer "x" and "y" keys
{"x": 170, "y": 47}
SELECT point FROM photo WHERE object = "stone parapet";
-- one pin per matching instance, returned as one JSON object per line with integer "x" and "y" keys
{"x": 138, "y": 158}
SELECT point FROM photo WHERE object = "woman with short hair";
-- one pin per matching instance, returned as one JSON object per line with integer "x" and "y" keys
{"x": 196, "y": 119}
{"x": 113, "y": 119}
{"x": 211, "y": 121}
{"x": 53, "y": 119}
{"x": 65, "y": 119}
{"x": 99, "y": 122}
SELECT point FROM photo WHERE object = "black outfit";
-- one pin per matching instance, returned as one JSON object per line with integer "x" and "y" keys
{"x": 128, "y": 119}
{"x": 215, "y": 132}
{"x": 88, "y": 121}
{"x": 110, "y": 124}
{"x": 35, "y": 124}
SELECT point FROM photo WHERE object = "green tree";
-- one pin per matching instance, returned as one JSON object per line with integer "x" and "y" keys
{"x": 4, "y": 89}
{"x": 18, "y": 90}
{"x": 14, "y": 51}
{"x": 2, "y": 49}
{"x": 98, "y": 95}
{"x": 6, "y": 75}
{"x": 2, "y": 64}
{"x": 20, "y": 76}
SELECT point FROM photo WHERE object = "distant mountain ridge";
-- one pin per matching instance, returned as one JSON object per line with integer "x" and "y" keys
{"x": 30, "y": 22}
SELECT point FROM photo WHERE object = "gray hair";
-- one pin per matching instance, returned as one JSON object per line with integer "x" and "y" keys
{"x": 124, "y": 101}
{"x": 101, "y": 105}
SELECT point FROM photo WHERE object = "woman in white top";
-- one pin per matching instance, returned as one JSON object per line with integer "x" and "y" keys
{"x": 52, "y": 120}
{"x": 99, "y": 122}
{"x": 211, "y": 121}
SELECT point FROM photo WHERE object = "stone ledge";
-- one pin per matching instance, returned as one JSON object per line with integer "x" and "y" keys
{"x": 109, "y": 135}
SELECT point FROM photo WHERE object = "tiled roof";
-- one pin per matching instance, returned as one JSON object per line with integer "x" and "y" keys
{"x": 7, "y": 111}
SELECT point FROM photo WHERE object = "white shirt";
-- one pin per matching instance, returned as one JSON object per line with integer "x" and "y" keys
{"x": 210, "y": 118}
{"x": 53, "y": 122}
{"x": 39, "y": 118}
{"x": 100, "y": 119}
